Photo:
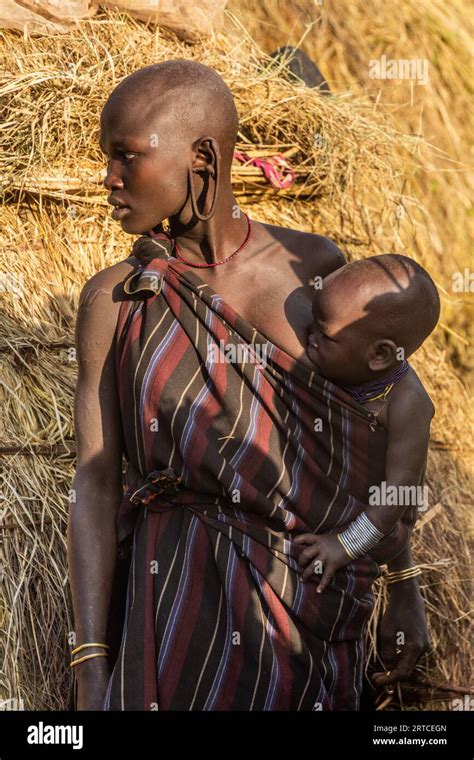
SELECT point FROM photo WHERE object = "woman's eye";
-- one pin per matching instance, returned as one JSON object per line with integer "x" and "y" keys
{"x": 126, "y": 154}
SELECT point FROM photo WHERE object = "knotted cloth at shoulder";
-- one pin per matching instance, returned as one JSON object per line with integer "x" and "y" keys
{"x": 146, "y": 248}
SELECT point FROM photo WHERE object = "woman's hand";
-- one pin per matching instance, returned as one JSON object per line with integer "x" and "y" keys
{"x": 404, "y": 635}
{"x": 92, "y": 685}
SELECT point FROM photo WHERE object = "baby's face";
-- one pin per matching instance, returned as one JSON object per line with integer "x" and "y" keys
{"x": 338, "y": 338}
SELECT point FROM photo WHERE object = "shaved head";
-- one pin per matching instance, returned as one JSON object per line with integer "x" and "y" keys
{"x": 396, "y": 293}
{"x": 369, "y": 315}
{"x": 192, "y": 98}
{"x": 169, "y": 132}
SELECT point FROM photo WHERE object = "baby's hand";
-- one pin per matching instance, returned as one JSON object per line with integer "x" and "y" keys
{"x": 327, "y": 550}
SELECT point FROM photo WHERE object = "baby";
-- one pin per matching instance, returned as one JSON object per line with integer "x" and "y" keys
{"x": 369, "y": 317}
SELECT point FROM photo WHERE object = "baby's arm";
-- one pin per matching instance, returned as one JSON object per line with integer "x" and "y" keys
{"x": 409, "y": 418}
{"x": 408, "y": 421}
{"x": 394, "y": 503}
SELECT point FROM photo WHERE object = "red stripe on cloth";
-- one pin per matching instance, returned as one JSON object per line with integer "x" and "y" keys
{"x": 150, "y": 695}
{"x": 239, "y": 605}
{"x": 185, "y": 625}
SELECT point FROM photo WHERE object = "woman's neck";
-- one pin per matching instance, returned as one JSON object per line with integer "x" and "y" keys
{"x": 213, "y": 240}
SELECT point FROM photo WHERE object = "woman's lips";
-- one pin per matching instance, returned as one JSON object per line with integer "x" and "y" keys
{"x": 120, "y": 211}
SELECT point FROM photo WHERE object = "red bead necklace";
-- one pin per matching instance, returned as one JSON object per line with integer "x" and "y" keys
{"x": 223, "y": 261}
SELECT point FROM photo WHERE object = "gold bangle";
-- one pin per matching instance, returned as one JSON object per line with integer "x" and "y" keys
{"x": 405, "y": 578}
{"x": 87, "y": 657}
{"x": 92, "y": 644}
{"x": 402, "y": 575}
{"x": 391, "y": 577}
{"x": 406, "y": 571}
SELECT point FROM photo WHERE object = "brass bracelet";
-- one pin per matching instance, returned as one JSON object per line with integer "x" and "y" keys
{"x": 402, "y": 575}
{"x": 92, "y": 644}
{"x": 87, "y": 657}
{"x": 405, "y": 571}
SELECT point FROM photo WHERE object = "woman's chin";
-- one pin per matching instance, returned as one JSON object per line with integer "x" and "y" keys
{"x": 132, "y": 225}
{"x": 135, "y": 227}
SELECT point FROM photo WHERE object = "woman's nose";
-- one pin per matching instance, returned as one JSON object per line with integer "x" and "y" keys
{"x": 112, "y": 177}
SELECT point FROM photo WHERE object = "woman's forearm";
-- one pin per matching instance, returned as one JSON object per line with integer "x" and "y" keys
{"x": 402, "y": 560}
{"x": 409, "y": 586}
{"x": 92, "y": 553}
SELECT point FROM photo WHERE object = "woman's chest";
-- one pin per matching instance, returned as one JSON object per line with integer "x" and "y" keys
{"x": 278, "y": 307}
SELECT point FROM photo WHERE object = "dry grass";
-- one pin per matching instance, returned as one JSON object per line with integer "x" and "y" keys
{"x": 342, "y": 38}
{"x": 55, "y": 232}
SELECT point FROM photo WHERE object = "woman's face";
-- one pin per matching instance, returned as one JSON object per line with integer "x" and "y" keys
{"x": 146, "y": 164}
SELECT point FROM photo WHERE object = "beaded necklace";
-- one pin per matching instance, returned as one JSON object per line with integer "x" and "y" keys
{"x": 376, "y": 389}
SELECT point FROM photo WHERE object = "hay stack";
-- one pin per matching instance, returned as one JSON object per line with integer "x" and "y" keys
{"x": 55, "y": 232}
{"x": 342, "y": 38}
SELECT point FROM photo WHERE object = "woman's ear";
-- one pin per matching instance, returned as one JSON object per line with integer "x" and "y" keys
{"x": 206, "y": 156}
{"x": 206, "y": 161}
{"x": 382, "y": 354}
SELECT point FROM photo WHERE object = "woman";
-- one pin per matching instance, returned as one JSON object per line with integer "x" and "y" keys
{"x": 223, "y": 462}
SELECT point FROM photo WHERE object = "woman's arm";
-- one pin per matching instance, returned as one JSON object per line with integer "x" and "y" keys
{"x": 403, "y": 636}
{"x": 97, "y": 484}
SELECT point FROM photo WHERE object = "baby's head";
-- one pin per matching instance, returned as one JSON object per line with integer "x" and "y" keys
{"x": 370, "y": 315}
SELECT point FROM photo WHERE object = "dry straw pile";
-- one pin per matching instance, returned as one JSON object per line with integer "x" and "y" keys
{"x": 343, "y": 38}
{"x": 55, "y": 232}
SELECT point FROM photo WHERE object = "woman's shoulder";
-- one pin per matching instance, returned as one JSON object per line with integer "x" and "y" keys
{"x": 318, "y": 252}
{"x": 108, "y": 280}
{"x": 99, "y": 303}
